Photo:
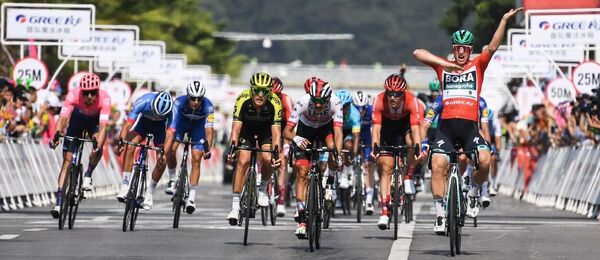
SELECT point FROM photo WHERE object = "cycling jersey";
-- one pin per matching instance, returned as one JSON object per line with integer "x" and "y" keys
{"x": 99, "y": 109}
{"x": 305, "y": 112}
{"x": 146, "y": 122}
{"x": 143, "y": 106}
{"x": 409, "y": 107}
{"x": 256, "y": 122}
{"x": 352, "y": 120}
{"x": 433, "y": 113}
{"x": 461, "y": 90}
{"x": 365, "y": 128}
{"x": 286, "y": 106}
{"x": 193, "y": 122}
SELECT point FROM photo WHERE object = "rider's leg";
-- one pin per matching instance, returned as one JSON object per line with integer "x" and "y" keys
{"x": 386, "y": 165}
{"x": 347, "y": 168}
{"x": 439, "y": 167}
{"x": 480, "y": 175}
{"x": 197, "y": 155}
{"x": 283, "y": 177}
{"x": 128, "y": 160}
{"x": 409, "y": 185}
{"x": 67, "y": 156}
{"x": 301, "y": 170}
{"x": 94, "y": 159}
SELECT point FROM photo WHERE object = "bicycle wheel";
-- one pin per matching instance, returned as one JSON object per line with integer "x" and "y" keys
{"x": 358, "y": 194}
{"x": 66, "y": 196}
{"x": 407, "y": 208}
{"x": 272, "y": 205}
{"x": 139, "y": 198}
{"x": 312, "y": 213}
{"x": 178, "y": 197}
{"x": 76, "y": 196}
{"x": 452, "y": 217}
{"x": 396, "y": 202}
{"x": 130, "y": 201}
{"x": 319, "y": 213}
{"x": 250, "y": 202}
{"x": 327, "y": 213}
{"x": 264, "y": 212}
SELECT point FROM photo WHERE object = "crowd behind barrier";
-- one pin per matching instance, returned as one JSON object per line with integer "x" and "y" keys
{"x": 567, "y": 178}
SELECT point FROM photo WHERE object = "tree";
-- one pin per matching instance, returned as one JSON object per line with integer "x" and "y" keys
{"x": 487, "y": 14}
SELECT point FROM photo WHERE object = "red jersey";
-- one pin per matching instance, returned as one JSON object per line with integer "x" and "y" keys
{"x": 286, "y": 106}
{"x": 408, "y": 107}
{"x": 461, "y": 90}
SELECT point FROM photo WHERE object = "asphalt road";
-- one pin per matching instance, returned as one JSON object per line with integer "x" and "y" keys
{"x": 509, "y": 229}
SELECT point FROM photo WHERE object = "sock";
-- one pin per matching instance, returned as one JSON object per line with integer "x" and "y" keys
{"x": 409, "y": 172}
{"x": 282, "y": 193}
{"x": 300, "y": 205}
{"x": 369, "y": 195}
{"x": 263, "y": 186}
{"x": 125, "y": 178}
{"x": 484, "y": 188}
{"x": 59, "y": 196}
{"x": 235, "y": 201}
{"x": 439, "y": 207}
{"x": 474, "y": 191}
{"x": 88, "y": 172}
{"x": 172, "y": 174}
{"x": 152, "y": 186}
{"x": 384, "y": 204}
{"x": 192, "y": 195}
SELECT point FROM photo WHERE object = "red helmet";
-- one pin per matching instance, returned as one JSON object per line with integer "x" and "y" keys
{"x": 277, "y": 86}
{"x": 89, "y": 82}
{"x": 395, "y": 83}
{"x": 309, "y": 82}
{"x": 320, "y": 90}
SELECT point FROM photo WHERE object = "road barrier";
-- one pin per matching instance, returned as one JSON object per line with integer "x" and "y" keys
{"x": 566, "y": 178}
{"x": 29, "y": 173}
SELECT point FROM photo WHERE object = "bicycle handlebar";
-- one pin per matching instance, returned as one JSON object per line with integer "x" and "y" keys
{"x": 158, "y": 149}
{"x": 475, "y": 153}
{"x": 85, "y": 140}
{"x": 395, "y": 149}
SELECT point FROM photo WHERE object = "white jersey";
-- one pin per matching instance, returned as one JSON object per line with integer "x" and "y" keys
{"x": 304, "y": 110}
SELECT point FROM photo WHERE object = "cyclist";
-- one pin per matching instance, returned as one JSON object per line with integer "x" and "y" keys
{"x": 319, "y": 116}
{"x": 495, "y": 144}
{"x": 257, "y": 113}
{"x": 151, "y": 113}
{"x": 396, "y": 118}
{"x": 351, "y": 132}
{"x": 193, "y": 114}
{"x": 286, "y": 102}
{"x": 86, "y": 108}
{"x": 361, "y": 102}
{"x": 434, "y": 91}
{"x": 461, "y": 81}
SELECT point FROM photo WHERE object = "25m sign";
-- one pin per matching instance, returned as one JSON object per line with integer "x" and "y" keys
{"x": 30, "y": 69}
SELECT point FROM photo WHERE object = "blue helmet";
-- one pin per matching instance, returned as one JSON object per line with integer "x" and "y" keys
{"x": 162, "y": 103}
{"x": 344, "y": 96}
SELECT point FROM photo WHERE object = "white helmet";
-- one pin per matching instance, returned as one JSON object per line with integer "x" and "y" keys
{"x": 196, "y": 89}
{"x": 360, "y": 99}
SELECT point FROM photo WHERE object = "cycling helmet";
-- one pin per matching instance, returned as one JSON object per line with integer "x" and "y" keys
{"x": 89, "y": 82}
{"x": 434, "y": 85}
{"x": 162, "y": 103}
{"x": 320, "y": 90}
{"x": 261, "y": 79}
{"x": 309, "y": 82}
{"x": 196, "y": 89}
{"x": 360, "y": 99}
{"x": 344, "y": 96}
{"x": 277, "y": 86}
{"x": 395, "y": 83}
{"x": 463, "y": 37}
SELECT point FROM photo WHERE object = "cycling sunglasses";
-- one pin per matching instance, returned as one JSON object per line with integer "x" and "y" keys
{"x": 258, "y": 90}
{"x": 462, "y": 48}
{"x": 90, "y": 93}
{"x": 195, "y": 99}
{"x": 395, "y": 94}
{"x": 319, "y": 100}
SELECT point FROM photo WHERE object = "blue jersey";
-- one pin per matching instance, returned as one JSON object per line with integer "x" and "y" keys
{"x": 433, "y": 115}
{"x": 352, "y": 120}
{"x": 184, "y": 114}
{"x": 143, "y": 106}
{"x": 366, "y": 120}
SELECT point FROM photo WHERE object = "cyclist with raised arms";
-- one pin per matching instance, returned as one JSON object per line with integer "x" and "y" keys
{"x": 361, "y": 101}
{"x": 351, "y": 132}
{"x": 286, "y": 103}
{"x": 193, "y": 114}
{"x": 151, "y": 114}
{"x": 461, "y": 81}
{"x": 319, "y": 116}
{"x": 257, "y": 113}
{"x": 86, "y": 108}
{"x": 396, "y": 118}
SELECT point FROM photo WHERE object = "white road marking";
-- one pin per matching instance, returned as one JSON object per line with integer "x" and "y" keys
{"x": 401, "y": 247}
{"x": 34, "y": 229}
{"x": 8, "y": 236}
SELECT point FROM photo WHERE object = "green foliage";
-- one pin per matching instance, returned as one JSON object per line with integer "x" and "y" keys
{"x": 487, "y": 14}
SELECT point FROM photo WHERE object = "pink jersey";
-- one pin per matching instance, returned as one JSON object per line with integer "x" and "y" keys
{"x": 75, "y": 100}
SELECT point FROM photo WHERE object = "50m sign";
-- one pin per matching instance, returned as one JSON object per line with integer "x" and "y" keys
{"x": 33, "y": 70}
